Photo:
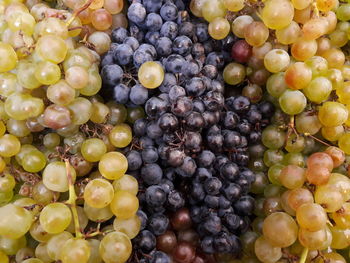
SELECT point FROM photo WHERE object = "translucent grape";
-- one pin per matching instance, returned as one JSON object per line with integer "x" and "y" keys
{"x": 318, "y": 89}
{"x": 239, "y": 25}
{"x": 303, "y": 49}
{"x": 313, "y": 240}
{"x": 307, "y": 122}
{"x": 311, "y": 217}
{"x": 277, "y": 14}
{"x": 314, "y": 28}
{"x": 151, "y": 74}
{"x": 101, "y": 19}
{"x": 131, "y": 227}
{"x": 55, "y": 244}
{"x": 52, "y": 48}
{"x": 38, "y": 232}
{"x": 8, "y": 84}
{"x": 289, "y": 34}
{"x": 317, "y": 175}
{"x": 113, "y": 6}
{"x": 9, "y": 145}
{"x": 47, "y": 73}
{"x": 234, "y": 73}
{"x": 292, "y": 176}
{"x": 93, "y": 149}
{"x": 298, "y": 197}
{"x": 344, "y": 143}
{"x": 266, "y": 252}
{"x": 98, "y": 214}
{"x": 34, "y": 161}
{"x": 256, "y": 33}
{"x": 337, "y": 155}
{"x": 115, "y": 240}
{"x": 113, "y": 165}
{"x": 55, "y": 218}
{"x": 81, "y": 110}
{"x": 335, "y": 57}
{"x": 219, "y": 28}
{"x": 276, "y": 60}
{"x": 292, "y": 102}
{"x": 98, "y": 193}
{"x": 301, "y": 4}
{"x": 75, "y": 250}
{"x": 126, "y": 183}
{"x": 213, "y": 9}
{"x": 332, "y": 114}
{"x": 8, "y": 57}
{"x": 124, "y": 205}
{"x": 320, "y": 159}
{"x": 234, "y": 5}
{"x": 12, "y": 246}
{"x": 298, "y": 76}
{"x": 273, "y": 137}
{"x": 55, "y": 176}
{"x": 121, "y": 135}
{"x": 333, "y": 133}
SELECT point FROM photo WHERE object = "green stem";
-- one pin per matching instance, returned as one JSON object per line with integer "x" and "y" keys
{"x": 304, "y": 255}
{"x": 72, "y": 201}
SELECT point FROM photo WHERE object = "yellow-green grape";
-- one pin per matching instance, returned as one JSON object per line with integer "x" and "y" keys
{"x": 126, "y": 183}
{"x": 292, "y": 176}
{"x": 9, "y": 145}
{"x": 54, "y": 26}
{"x": 292, "y": 102}
{"x": 17, "y": 128}
{"x": 265, "y": 251}
{"x": 55, "y": 244}
{"x": 32, "y": 260}
{"x": 3, "y": 257}
{"x": 343, "y": 12}
{"x": 115, "y": 240}
{"x": 344, "y": 143}
{"x": 124, "y": 205}
{"x": 34, "y": 161}
{"x": 55, "y": 176}
{"x": 256, "y": 33}
{"x": 311, "y": 217}
{"x": 335, "y": 57}
{"x": 2, "y": 164}
{"x": 274, "y": 173}
{"x": 277, "y": 14}
{"x": 93, "y": 149}
{"x": 26, "y": 75}
{"x": 100, "y": 112}
{"x": 318, "y": 65}
{"x": 239, "y": 25}
{"x": 326, "y": 5}
{"x": 81, "y": 110}
{"x": 61, "y": 93}
{"x": 28, "y": 202}
{"x": 346, "y": 72}
{"x": 98, "y": 214}
{"x": 77, "y": 77}
{"x": 313, "y": 240}
{"x": 95, "y": 256}
{"x": 52, "y": 48}
{"x": 332, "y": 134}
{"x": 332, "y": 114}
{"x": 23, "y": 21}
{"x": 131, "y": 227}
{"x": 289, "y": 34}
{"x": 295, "y": 144}
{"x": 8, "y": 83}
{"x": 94, "y": 84}
{"x": 343, "y": 93}
{"x": 82, "y": 218}
{"x": 47, "y": 73}
{"x": 338, "y": 38}
{"x": 41, "y": 252}
{"x": 51, "y": 140}
{"x": 113, "y": 165}
{"x": 7, "y": 182}
{"x": 213, "y": 9}
{"x": 234, "y": 73}
{"x": 151, "y": 74}
{"x": 101, "y": 41}
{"x": 341, "y": 183}
{"x": 15, "y": 221}
{"x": 219, "y": 28}
{"x": 2, "y": 128}
{"x": 75, "y": 250}
{"x": 307, "y": 122}
{"x": 24, "y": 254}
{"x": 11, "y": 246}
{"x": 55, "y": 218}
{"x": 38, "y": 233}
{"x": 98, "y": 193}
{"x": 5, "y": 197}
{"x": 318, "y": 89}
{"x": 342, "y": 216}
{"x": 121, "y": 135}
{"x": 23, "y": 106}
{"x": 25, "y": 148}
{"x": 340, "y": 238}
{"x": 234, "y": 5}
{"x": 76, "y": 58}
{"x": 8, "y": 57}
{"x": 276, "y": 60}
{"x": 273, "y": 137}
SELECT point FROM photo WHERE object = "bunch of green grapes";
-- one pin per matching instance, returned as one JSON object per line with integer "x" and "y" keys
{"x": 64, "y": 194}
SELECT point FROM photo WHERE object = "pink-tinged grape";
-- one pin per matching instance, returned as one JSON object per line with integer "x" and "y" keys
{"x": 75, "y": 250}
{"x": 258, "y": 54}
{"x": 93, "y": 149}
{"x": 276, "y": 60}
{"x": 335, "y": 58}
{"x": 301, "y": 4}
{"x": 266, "y": 252}
{"x": 278, "y": 223}
{"x": 332, "y": 114}
{"x": 277, "y": 14}
{"x": 55, "y": 176}
{"x": 289, "y": 34}
{"x": 121, "y": 135}
{"x": 77, "y": 77}
{"x": 52, "y": 48}
{"x": 298, "y": 197}
{"x": 124, "y": 205}
{"x": 213, "y": 9}
{"x": 311, "y": 217}
{"x": 56, "y": 117}
{"x": 313, "y": 240}
{"x": 151, "y": 74}
{"x": 55, "y": 218}
{"x": 126, "y": 183}
{"x": 239, "y": 25}
{"x": 318, "y": 89}
{"x": 108, "y": 246}
{"x": 113, "y": 165}
{"x": 114, "y": 6}
{"x": 332, "y": 134}
{"x": 234, "y": 73}
{"x": 317, "y": 175}
{"x": 81, "y": 110}
{"x": 320, "y": 159}
{"x": 61, "y": 93}
{"x": 285, "y": 205}
{"x": 8, "y": 57}
{"x": 15, "y": 221}
{"x": 101, "y": 19}
{"x": 292, "y": 176}
{"x": 256, "y": 33}
{"x": 298, "y": 76}
{"x": 303, "y": 49}
{"x": 323, "y": 44}
{"x": 303, "y": 15}
{"x": 292, "y": 102}
{"x": 98, "y": 193}
{"x": 219, "y": 28}
{"x": 55, "y": 244}
{"x": 337, "y": 155}
{"x": 9, "y": 145}
{"x": 131, "y": 227}
{"x": 344, "y": 143}
{"x": 315, "y": 28}
{"x": 307, "y": 122}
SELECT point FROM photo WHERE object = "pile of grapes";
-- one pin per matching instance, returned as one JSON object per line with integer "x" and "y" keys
{"x": 174, "y": 131}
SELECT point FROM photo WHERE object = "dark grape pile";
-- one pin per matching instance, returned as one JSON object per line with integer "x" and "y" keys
{"x": 190, "y": 150}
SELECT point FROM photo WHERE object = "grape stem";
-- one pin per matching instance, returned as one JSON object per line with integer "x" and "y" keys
{"x": 315, "y": 138}
{"x": 78, "y": 11}
{"x": 304, "y": 255}
{"x": 72, "y": 201}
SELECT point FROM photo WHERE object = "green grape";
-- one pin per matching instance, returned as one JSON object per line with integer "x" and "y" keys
{"x": 8, "y": 57}
{"x": 294, "y": 158}
{"x": 292, "y": 102}
{"x": 98, "y": 214}
{"x": 276, "y": 60}
{"x": 273, "y": 191}
{"x": 274, "y": 173}
{"x": 295, "y": 144}
{"x": 344, "y": 142}
{"x": 239, "y": 25}
{"x": 213, "y": 9}
{"x": 3, "y": 257}
{"x": 94, "y": 84}
{"x": 34, "y": 161}
{"x": 75, "y": 250}
{"x": 135, "y": 113}
{"x": 126, "y": 183}
{"x": 265, "y": 251}
{"x": 130, "y": 227}
{"x": 313, "y": 240}
{"x": 121, "y": 135}
{"x": 101, "y": 41}
{"x": 151, "y": 74}
{"x": 272, "y": 157}
{"x": 332, "y": 114}
{"x": 318, "y": 65}
{"x": 289, "y": 34}
{"x": 111, "y": 241}
{"x": 277, "y": 14}
{"x": 336, "y": 77}
{"x": 41, "y": 253}
{"x": 318, "y": 89}
{"x": 11, "y": 246}
{"x": 94, "y": 251}
{"x": 340, "y": 238}
{"x": 5, "y": 197}
{"x": 25, "y": 148}
{"x": 219, "y": 28}
{"x": 276, "y": 84}
{"x": 118, "y": 113}
{"x": 343, "y": 12}
{"x": 9, "y": 145}
{"x": 332, "y": 133}
{"x": 52, "y": 48}
{"x": 38, "y": 233}
{"x": 15, "y": 221}
{"x": 55, "y": 176}
{"x": 23, "y": 21}
{"x": 74, "y": 142}
{"x": 234, "y": 73}
{"x": 81, "y": 110}
{"x": 17, "y": 128}
{"x": 51, "y": 140}
{"x": 338, "y": 38}
{"x": 55, "y": 244}
{"x": 100, "y": 112}
{"x": 55, "y": 218}
{"x": 23, "y": 106}
{"x": 61, "y": 93}
{"x": 47, "y": 73}
{"x": 93, "y": 149}
{"x": 32, "y": 260}
{"x": 98, "y": 193}
{"x": 75, "y": 58}
{"x": 311, "y": 217}
{"x": 292, "y": 176}
{"x": 54, "y": 26}
{"x": 256, "y": 33}
{"x": 341, "y": 183}
{"x": 307, "y": 122}
{"x": 8, "y": 84}
{"x": 124, "y": 205}
{"x": 7, "y": 182}
{"x": 273, "y": 137}
{"x": 113, "y": 165}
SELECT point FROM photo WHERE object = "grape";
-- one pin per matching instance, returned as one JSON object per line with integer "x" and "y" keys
{"x": 273, "y": 137}
{"x": 61, "y": 93}
{"x": 292, "y": 176}
{"x": 318, "y": 89}
{"x": 101, "y": 41}
{"x": 52, "y": 48}
{"x": 276, "y": 60}
{"x": 234, "y": 73}
{"x": 311, "y": 217}
{"x": 317, "y": 175}
{"x": 219, "y": 28}
{"x": 77, "y": 77}
{"x": 277, "y": 14}
{"x": 94, "y": 251}
{"x": 113, "y": 165}
{"x": 314, "y": 28}
{"x": 320, "y": 159}
{"x": 55, "y": 218}
{"x": 265, "y": 251}
{"x": 276, "y": 84}
{"x": 113, "y": 6}
{"x": 344, "y": 143}
{"x": 336, "y": 154}
{"x": 298, "y": 197}
{"x": 111, "y": 241}
{"x": 55, "y": 244}
{"x": 341, "y": 183}
{"x": 7, "y": 182}
{"x": 97, "y": 214}
{"x": 292, "y": 102}
{"x": 12, "y": 246}
{"x": 55, "y": 176}
{"x": 332, "y": 114}
{"x": 9, "y": 57}
{"x": 303, "y": 49}
{"x": 341, "y": 217}
{"x": 124, "y": 205}
{"x": 307, "y": 122}
{"x": 318, "y": 65}
{"x": 335, "y": 58}
{"x": 332, "y": 256}
{"x": 339, "y": 238}
{"x": 34, "y": 161}
{"x": 332, "y": 133}
{"x": 256, "y": 33}
{"x": 288, "y": 35}
{"x": 32, "y": 260}
{"x": 38, "y": 233}
{"x": 239, "y": 25}
{"x": 131, "y": 227}
{"x": 298, "y": 76}
{"x": 3, "y": 257}
{"x": 313, "y": 240}
{"x": 93, "y": 149}
{"x": 213, "y": 9}
{"x": 101, "y": 19}
{"x": 98, "y": 193}
{"x": 75, "y": 250}
{"x": 120, "y": 136}
{"x": 151, "y": 74}
{"x": 126, "y": 183}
